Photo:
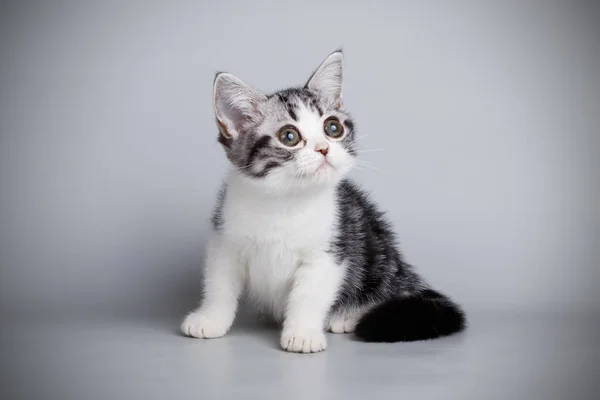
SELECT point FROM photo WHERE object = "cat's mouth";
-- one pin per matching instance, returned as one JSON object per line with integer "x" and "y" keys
{"x": 323, "y": 167}
{"x": 322, "y": 170}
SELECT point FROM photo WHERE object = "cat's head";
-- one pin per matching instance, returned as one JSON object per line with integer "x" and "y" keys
{"x": 295, "y": 138}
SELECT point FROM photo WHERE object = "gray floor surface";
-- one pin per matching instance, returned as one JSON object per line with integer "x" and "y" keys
{"x": 501, "y": 356}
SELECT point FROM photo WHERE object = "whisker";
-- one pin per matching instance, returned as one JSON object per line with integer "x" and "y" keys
{"x": 355, "y": 138}
{"x": 292, "y": 180}
{"x": 368, "y": 165}
{"x": 363, "y": 162}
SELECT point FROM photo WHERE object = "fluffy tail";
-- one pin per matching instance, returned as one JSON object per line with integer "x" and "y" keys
{"x": 426, "y": 315}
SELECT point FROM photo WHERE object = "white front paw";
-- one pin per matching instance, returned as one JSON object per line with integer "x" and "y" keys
{"x": 198, "y": 325}
{"x": 303, "y": 340}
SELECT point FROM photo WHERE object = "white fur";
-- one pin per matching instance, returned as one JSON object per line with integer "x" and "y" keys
{"x": 275, "y": 247}
{"x": 345, "y": 321}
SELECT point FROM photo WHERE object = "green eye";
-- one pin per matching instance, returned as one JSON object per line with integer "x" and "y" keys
{"x": 333, "y": 128}
{"x": 289, "y": 136}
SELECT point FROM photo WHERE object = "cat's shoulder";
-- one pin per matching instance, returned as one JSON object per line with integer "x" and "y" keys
{"x": 350, "y": 191}
{"x": 353, "y": 199}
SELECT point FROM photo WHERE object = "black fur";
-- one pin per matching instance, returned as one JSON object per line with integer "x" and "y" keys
{"x": 256, "y": 147}
{"x": 292, "y": 113}
{"x": 225, "y": 141}
{"x": 217, "y": 214}
{"x": 268, "y": 167}
{"x": 292, "y": 96}
{"x": 426, "y": 315}
{"x": 402, "y": 306}
{"x": 262, "y": 149}
{"x": 349, "y": 124}
{"x": 366, "y": 241}
{"x": 290, "y": 106}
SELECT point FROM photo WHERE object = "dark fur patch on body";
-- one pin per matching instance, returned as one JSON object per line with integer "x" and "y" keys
{"x": 366, "y": 241}
{"x": 217, "y": 214}
{"x": 403, "y": 307}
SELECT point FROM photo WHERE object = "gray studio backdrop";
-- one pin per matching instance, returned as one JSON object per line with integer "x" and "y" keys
{"x": 482, "y": 119}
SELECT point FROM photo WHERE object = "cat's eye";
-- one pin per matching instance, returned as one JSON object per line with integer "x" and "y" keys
{"x": 289, "y": 136}
{"x": 333, "y": 127}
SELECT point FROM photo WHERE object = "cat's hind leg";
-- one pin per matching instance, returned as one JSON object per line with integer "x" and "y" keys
{"x": 344, "y": 320}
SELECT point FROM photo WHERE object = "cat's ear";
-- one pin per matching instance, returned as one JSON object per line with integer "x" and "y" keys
{"x": 235, "y": 104}
{"x": 328, "y": 78}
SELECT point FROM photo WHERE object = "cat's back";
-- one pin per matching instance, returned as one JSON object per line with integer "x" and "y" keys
{"x": 355, "y": 204}
{"x": 363, "y": 234}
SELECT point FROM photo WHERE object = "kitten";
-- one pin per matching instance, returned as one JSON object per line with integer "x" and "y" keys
{"x": 306, "y": 245}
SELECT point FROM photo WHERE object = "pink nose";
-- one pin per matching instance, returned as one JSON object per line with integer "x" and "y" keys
{"x": 322, "y": 148}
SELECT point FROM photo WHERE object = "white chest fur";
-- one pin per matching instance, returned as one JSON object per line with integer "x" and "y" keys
{"x": 273, "y": 235}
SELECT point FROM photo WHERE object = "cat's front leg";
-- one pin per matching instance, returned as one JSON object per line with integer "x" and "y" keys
{"x": 223, "y": 283}
{"x": 314, "y": 288}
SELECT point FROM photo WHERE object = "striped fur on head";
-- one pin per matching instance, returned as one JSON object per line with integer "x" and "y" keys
{"x": 250, "y": 125}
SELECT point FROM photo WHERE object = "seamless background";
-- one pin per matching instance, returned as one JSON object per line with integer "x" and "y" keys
{"x": 487, "y": 116}
{"x": 481, "y": 118}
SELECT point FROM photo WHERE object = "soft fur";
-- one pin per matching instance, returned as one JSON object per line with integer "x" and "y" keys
{"x": 307, "y": 246}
